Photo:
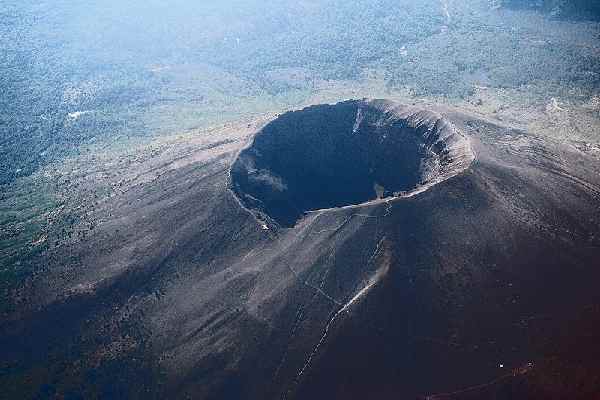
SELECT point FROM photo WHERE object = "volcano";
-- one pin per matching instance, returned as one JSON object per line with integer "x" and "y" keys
{"x": 364, "y": 249}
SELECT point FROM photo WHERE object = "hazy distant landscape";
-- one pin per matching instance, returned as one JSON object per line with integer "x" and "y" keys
{"x": 95, "y": 92}
{"x": 75, "y": 73}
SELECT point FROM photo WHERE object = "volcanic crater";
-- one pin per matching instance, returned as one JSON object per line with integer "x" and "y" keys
{"x": 349, "y": 153}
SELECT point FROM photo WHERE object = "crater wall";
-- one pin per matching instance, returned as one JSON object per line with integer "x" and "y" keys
{"x": 349, "y": 153}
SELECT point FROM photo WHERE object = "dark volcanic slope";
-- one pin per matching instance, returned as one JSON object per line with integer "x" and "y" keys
{"x": 485, "y": 285}
{"x": 336, "y": 155}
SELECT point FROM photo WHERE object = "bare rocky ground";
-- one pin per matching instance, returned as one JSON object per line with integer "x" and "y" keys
{"x": 482, "y": 286}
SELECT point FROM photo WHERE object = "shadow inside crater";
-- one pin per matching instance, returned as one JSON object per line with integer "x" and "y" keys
{"x": 352, "y": 152}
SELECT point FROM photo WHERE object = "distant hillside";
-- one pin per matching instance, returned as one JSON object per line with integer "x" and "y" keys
{"x": 580, "y": 9}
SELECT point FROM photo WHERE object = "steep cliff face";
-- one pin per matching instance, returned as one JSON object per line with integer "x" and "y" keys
{"x": 345, "y": 154}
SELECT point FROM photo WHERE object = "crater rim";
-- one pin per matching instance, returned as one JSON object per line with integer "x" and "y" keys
{"x": 442, "y": 152}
